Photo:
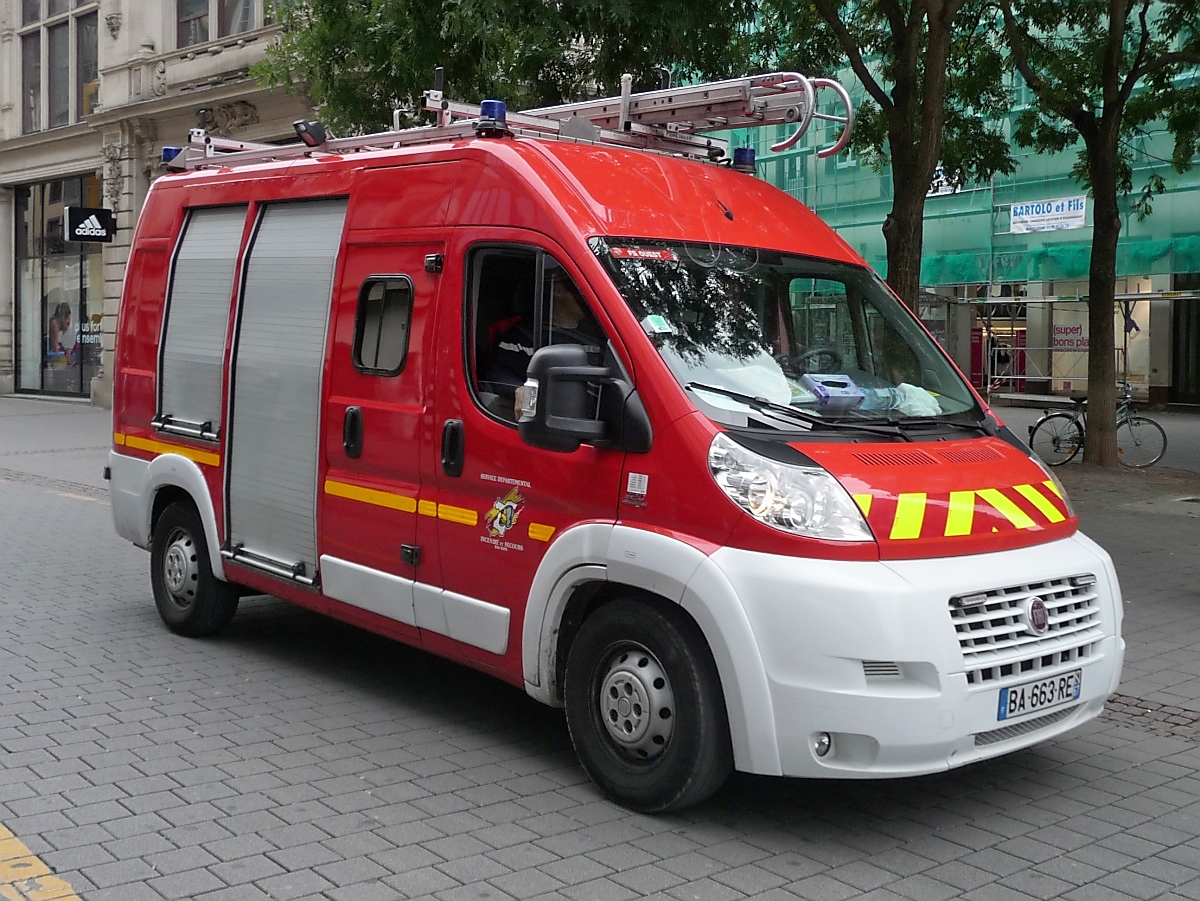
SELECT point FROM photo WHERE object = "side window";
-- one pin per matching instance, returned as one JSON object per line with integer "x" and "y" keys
{"x": 381, "y": 327}
{"x": 517, "y": 301}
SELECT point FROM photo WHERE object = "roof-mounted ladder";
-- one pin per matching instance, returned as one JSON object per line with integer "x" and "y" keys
{"x": 669, "y": 120}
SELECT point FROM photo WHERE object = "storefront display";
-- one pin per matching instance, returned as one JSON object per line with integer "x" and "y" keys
{"x": 59, "y": 290}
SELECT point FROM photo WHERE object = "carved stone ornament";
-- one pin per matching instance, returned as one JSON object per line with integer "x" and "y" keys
{"x": 158, "y": 79}
{"x": 113, "y": 21}
{"x": 222, "y": 120}
{"x": 113, "y": 174}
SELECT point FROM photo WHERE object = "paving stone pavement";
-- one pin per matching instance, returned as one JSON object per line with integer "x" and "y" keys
{"x": 298, "y": 758}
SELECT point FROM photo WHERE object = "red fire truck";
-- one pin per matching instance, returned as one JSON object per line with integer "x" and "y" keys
{"x": 572, "y": 397}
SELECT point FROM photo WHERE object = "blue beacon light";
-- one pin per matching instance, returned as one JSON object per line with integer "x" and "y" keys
{"x": 743, "y": 160}
{"x": 492, "y": 119}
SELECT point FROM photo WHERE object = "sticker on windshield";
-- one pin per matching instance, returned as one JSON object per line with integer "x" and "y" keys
{"x": 643, "y": 253}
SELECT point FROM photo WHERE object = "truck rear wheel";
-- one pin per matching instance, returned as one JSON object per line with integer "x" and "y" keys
{"x": 645, "y": 708}
{"x": 190, "y": 599}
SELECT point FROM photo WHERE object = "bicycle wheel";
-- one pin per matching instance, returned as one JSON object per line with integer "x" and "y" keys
{"x": 1141, "y": 442}
{"x": 1056, "y": 438}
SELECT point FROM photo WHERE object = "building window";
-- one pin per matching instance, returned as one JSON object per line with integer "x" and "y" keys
{"x": 193, "y": 19}
{"x": 59, "y": 51}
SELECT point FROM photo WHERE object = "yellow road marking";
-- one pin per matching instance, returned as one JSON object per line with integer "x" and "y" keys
{"x": 540, "y": 532}
{"x": 1007, "y": 508}
{"x": 910, "y": 514}
{"x": 864, "y": 503}
{"x": 161, "y": 447}
{"x": 1039, "y": 500}
{"x": 460, "y": 515}
{"x": 388, "y": 499}
{"x": 24, "y": 877}
{"x": 961, "y": 514}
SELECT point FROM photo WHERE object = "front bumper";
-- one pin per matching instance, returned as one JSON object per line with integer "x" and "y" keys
{"x": 871, "y": 654}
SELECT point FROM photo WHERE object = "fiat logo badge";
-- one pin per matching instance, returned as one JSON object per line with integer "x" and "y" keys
{"x": 1037, "y": 617}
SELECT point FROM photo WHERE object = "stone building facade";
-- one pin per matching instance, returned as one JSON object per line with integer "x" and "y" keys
{"x": 90, "y": 92}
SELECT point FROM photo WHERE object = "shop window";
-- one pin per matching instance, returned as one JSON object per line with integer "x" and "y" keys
{"x": 194, "y": 19}
{"x": 381, "y": 330}
{"x": 59, "y": 291}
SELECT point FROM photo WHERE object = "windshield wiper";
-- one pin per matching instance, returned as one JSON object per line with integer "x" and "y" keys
{"x": 983, "y": 426}
{"x": 812, "y": 419}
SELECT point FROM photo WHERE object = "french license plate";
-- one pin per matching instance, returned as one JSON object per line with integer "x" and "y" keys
{"x": 1033, "y": 697}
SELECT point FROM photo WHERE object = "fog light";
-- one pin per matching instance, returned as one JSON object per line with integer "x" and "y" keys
{"x": 822, "y": 743}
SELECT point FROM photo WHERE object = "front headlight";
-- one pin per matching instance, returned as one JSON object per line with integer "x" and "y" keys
{"x": 802, "y": 500}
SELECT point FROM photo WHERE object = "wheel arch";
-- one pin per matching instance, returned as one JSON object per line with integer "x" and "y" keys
{"x": 595, "y": 563}
{"x": 171, "y": 478}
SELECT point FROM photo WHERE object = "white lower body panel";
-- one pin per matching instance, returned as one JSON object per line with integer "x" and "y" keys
{"x": 872, "y": 654}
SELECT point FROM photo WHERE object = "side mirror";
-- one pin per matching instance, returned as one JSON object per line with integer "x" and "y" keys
{"x": 559, "y": 410}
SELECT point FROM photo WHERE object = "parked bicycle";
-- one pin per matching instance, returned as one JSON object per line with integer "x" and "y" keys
{"x": 1057, "y": 437}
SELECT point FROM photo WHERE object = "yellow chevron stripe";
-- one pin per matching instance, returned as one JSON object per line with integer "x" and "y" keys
{"x": 910, "y": 515}
{"x": 161, "y": 447}
{"x": 1054, "y": 488}
{"x": 392, "y": 501}
{"x": 540, "y": 532}
{"x": 961, "y": 513}
{"x": 1039, "y": 500}
{"x": 1007, "y": 508}
{"x": 864, "y": 503}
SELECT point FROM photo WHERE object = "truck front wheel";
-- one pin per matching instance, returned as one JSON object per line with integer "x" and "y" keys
{"x": 645, "y": 708}
{"x": 190, "y": 599}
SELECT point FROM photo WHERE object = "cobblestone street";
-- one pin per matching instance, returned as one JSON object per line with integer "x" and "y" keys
{"x": 296, "y": 757}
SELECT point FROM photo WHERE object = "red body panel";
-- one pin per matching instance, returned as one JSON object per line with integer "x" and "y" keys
{"x": 409, "y": 203}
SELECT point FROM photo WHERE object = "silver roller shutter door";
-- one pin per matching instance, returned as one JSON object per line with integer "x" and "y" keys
{"x": 198, "y": 315}
{"x": 277, "y": 381}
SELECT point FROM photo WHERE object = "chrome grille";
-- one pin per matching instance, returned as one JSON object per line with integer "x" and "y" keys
{"x": 997, "y": 643}
{"x": 1023, "y": 728}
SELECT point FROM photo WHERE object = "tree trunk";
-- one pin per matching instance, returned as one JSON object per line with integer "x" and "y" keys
{"x": 904, "y": 232}
{"x": 1100, "y": 447}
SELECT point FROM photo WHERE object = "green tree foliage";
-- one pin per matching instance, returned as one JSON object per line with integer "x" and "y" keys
{"x": 1100, "y": 71}
{"x": 933, "y": 75}
{"x": 358, "y": 59}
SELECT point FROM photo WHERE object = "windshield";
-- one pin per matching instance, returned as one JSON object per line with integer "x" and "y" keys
{"x": 817, "y": 336}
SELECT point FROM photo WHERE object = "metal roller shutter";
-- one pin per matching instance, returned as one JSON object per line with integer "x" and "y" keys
{"x": 193, "y": 348}
{"x": 277, "y": 373}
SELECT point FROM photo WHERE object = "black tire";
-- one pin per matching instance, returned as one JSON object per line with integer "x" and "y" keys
{"x": 1056, "y": 438}
{"x": 1141, "y": 442}
{"x": 190, "y": 599}
{"x": 674, "y": 749}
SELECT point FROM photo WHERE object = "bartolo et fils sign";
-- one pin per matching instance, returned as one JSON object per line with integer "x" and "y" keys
{"x": 1048, "y": 215}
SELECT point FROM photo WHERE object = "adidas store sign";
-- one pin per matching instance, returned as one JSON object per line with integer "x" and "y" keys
{"x": 90, "y": 224}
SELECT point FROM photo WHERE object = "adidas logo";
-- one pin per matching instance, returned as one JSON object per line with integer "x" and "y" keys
{"x": 91, "y": 226}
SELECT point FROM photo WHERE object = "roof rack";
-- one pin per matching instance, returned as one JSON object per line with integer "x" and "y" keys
{"x": 674, "y": 121}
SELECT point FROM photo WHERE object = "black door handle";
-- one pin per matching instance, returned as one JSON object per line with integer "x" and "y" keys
{"x": 352, "y": 432}
{"x": 452, "y": 447}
